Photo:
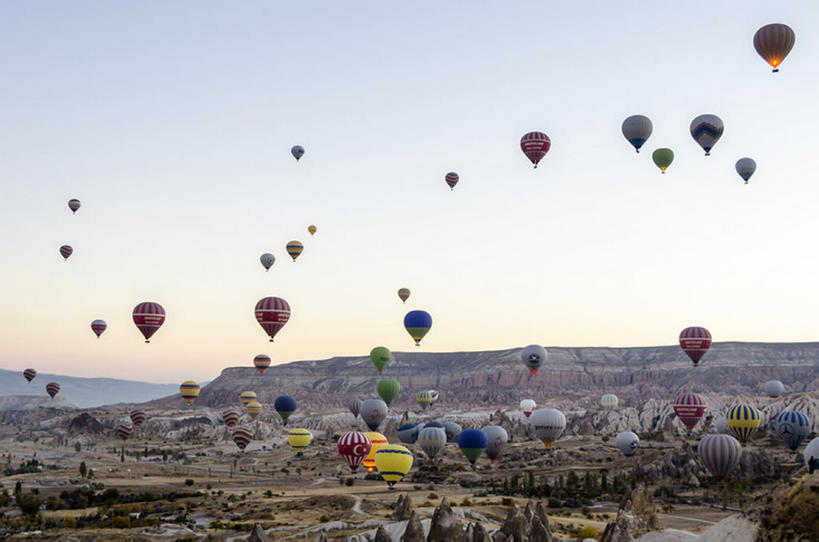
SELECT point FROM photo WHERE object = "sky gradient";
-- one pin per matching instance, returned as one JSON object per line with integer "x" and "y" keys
{"x": 173, "y": 121}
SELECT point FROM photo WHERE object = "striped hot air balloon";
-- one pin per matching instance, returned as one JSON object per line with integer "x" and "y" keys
{"x": 535, "y": 145}
{"x": 294, "y": 248}
{"x": 773, "y": 42}
{"x": 706, "y": 131}
{"x": 743, "y": 421}
{"x": 354, "y": 446}
{"x": 299, "y": 439}
{"x": 123, "y": 431}
{"x": 689, "y": 408}
{"x": 609, "y": 401}
{"x": 138, "y": 417}
{"x": 52, "y": 389}
{"x": 285, "y": 405}
{"x": 66, "y": 251}
{"x": 393, "y": 462}
{"x": 548, "y": 424}
{"x": 432, "y": 440}
{"x": 247, "y": 396}
{"x": 29, "y": 374}
{"x": 496, "y": 440}
{"x": 189, "y": 391}
{"x": 719, "y": 454}
{"x": 424, "y": 399}
{"x": 793, "y": 427}
{"x": 254, "y": 408}
{"x": 473, "y": 443}
{"x": 377, "y": 441}
{"x": 272, "y": 313}
{"x": 403, "y": 294}
{"x": 355, "y": 407}
{"x": 148, "y": 317}
{"x": 417, "y": 324}
{"x": 695, "y": 342}
{"x": 721, "y": 426}
{"x": 451, "y": 179}
{"x": 98, "y": 327}
{"x": 242, "y": 437}
{"x": 230, "y": 416}
{"x": 74, "y": 204}
{"x": 261, "y": 362}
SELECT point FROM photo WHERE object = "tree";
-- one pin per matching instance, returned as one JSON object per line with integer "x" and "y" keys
{"x": 29, "y": 505}
{"x": 77, "y": 447}
{"x": 83, "y": 469}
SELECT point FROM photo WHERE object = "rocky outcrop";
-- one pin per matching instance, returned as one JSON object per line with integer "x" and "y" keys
{"x": 414, "y": 531}
{"x": 445, "y": 526}
{"x": 475, "y": 532}
{"x": 620, "y": 529}
{"x": 85, "y": 424}
{"x": 403, "y": 508}
{"x": 528, "y": 525}
{"x": 258, "y": 534}
{"x": 790, "y": 513}
{"x": 381, "y": 535}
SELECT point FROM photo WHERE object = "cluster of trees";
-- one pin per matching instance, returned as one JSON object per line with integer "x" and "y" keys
{"x": 571, "y": 491}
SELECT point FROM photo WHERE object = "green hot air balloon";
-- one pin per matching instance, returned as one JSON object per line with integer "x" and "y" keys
{"x": 380, "y": 356}
{"x": 663, "y": 158}
{"x": 388, "y": 389}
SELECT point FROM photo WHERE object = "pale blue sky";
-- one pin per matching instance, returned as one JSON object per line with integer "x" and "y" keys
{"x": 172, "y": 122}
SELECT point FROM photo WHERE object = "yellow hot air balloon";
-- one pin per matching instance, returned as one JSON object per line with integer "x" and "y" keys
{"x": 294, "y": 248}
{"x": 254, "y": 408}
{"x": 403, "y": 294}
{"x": 247, "y": 396}
{"x": 743, "y": 420}
{"x": 189, "y": 391}
{"x": 393, "y": 462}
{"x": 299, "y": 439}
{"x": 311, "y": 229}
{"x": 377, "y": 441}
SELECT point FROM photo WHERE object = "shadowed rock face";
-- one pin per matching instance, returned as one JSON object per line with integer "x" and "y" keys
{"x": 85, "y": 424}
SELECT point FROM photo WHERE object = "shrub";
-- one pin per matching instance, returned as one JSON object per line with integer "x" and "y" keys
{"x": 350, "y": 481}
{"x": 588, "y": 532}
{"x": 466, "y": 502}
{"x": 121, "y": 522}
{"x": 432, "y": 496}
{"x": 324, "y": 519}
{"x": 188, "y": 482}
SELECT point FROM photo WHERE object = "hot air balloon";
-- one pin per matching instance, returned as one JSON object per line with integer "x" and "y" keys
{"x": 535, "y": 145}
{"x": 533, "y": 356}
{"x": 52, "y": 389}
{"x": 745, "y": 167}
{"x": 451, "y": 179}
{"x": 627, "y": 442}
{"x": 496, "y": 438}
{"x": 388, "y": 389}
{"x": 380, "y": 356}
{"x": 230, "y": 416}
{"x": 527, "y": 406}
{"x": 811, "y": 455}
{"x": 189, "y": 391}
{"x": 637, "y": 129}
{"x": 417, "y": 324}
{"x": 433, "y": 423}
{"x": 793, "y": 427}
{"x": 138, "y": 417}
{"x": 247, "y": 396}
{"x": 355, "y": 407}
{"x": 706, "y": 130}
{"x": 354, "y": 447}
{"x": 297, "y": 151}
{"x": 311, "y": 229}
{"x": 373, "y": 412}
{"x": 408, "y": 433}
{"x": 719, "y": 454}
{"x": 774, "y": 388}
{"x": 261, "y": 362}
{"x": 695, "y": 342}
{"x": 74, "y": 205}
{"x": 66, "y": 251}
{"x": 432, "y": 440}
{"x": 285, "y": 406}
{"x": 393, "y": 462}
{"x": 473, "y": 443}
{"x": 98, "y": 326}
{"x": 434, "y": 395}
{"x": 294, "y": 248}
{"x": 743, "y": 421}
{"x": 548, "y": 424}
{"x": 689, "y": 408}
{"x": 424, "y": 399}
{"x": 662, "y": 158}
{"x": 29, "y": 374}
{"x": 403, "y": 294}
{"x": 452, "y": 431}
{"x": 267, "y": 260}
{"x": 377, "y": 441}
{"x": 124, "y": 431}
{"x": 148, "y": 317}
{"x": 272, "y": 313}
{"x": 299, "y": 439}
{"x": 242, "y": 437}
{"x": 721, "y": 425}
{"x": 609, "y": 401}
{"x": 254, "y": 408}
{"x": 773, "y": 42}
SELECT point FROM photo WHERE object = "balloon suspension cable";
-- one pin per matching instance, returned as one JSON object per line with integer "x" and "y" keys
{"x": 775, "y": 70}
{"x": 707, "y": 153}
{"x": 147, "y": 341}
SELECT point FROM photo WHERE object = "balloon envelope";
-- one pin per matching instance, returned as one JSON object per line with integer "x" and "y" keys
{"x": 695, "y": 342}
{"x": 355, "y": 407}
{"x": 388, "y": 389}
{"x": 773, "y": 42}
{"x": 311, "y": 229}
{"x": 535, "y": 145}
{"x": 354, "y": 446}
{"x": 452, "y": 431}
{"x": 189, "y": 390}
{"x": 377, "y": 441}
{"x": 285, "y": 405}
{"x": 548, "y": 424}
{"x": 774, "y": 388}
{"x": 29, "y": 374}
{"x": 662, "y": 158}
{"x": 267, "y": 260}
{"x": 417, "y": 324}
{"x": 294, "y": 249}
{"x": 496, "y": 439}
{"x": 299, "y": 439}
{"x": 424, "y": 399}
{"x": 706, "y": 131}
{"x": 393, "y": 462}
{"x": 124, "y": 430}
{"x": 254, "y": 408}
{"x": 793, "y": 427}
{"x": 451, "y": 179}
{"x": 272, "y": 313}
{"x": 609, "y": 401}
{"x": 627, "y": 442}
{"x": 98, "y": 327}
{"x": 689, "y": 408}
{"x": 230, "y": 416}
{"x": 745, "y": 168}
{"x": 148, "y": 317}
{"x": 719, "y": 454}
{"x": 473, "y": 443}
{"x": 811, "y": 455}
{"x": 52, "y": 389}
{"x": 242, "y": 437}
{"x": 261, "y": 362}
{"x": 527, "y": 406}
{"x": 137, "y": 417}
{"x": 533, "y": 356}
{"x": 721, "y": 425}
{"x": 297, "y": 151}
{"x": 247, "y": 396}
{"x": 373, "y": 412}
{"x": 743, "y": 421}
{"x": 74, "y": 204}
{"x": 66, "y": 251}
{"x": 432, "y": 440}
{"x": 380, "y": 356}
{"x": 403, "y": 294}
{"x": 408, "y": 433}
{"x": 637, "y": 129}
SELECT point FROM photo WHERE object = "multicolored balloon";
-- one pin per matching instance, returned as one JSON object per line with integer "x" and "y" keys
{"x": 535, "y": 145}
{"x": 377, "y": 441}
{"x": 230, "y": 416}
{"x": 148, "y": 317}
{"x": 496, "y": 439}
{"x": 533, "y": 356}
{"x": 297, "y": 151}
{"x": 246, "y": 397}
{"x": 417, "y": 324}
{"x": 793, "y": 427}
{"x": 354, "y": 446}
{"x": 706, "y": 131}
{"x": 662, "y": 158}
{"x": 123, "y": 431}
{"x": 299, "y": 439}
{"x": 393, "y": 462}
{"x": 254, "y": 408}
{"x": 548, "y": 424}
{"x": 373, "y": 412}
{"x": 745, "y": 168}
{"x": 74, "y": 204}
{"x": 98, "y": 327}
{"x": 743, "y": 421}
{"x": 285, "y": 405}
{"x": 66, "y": 251}
{"x": 311, "y": 229}
{"x": 294, "y": 249}
{"x": 719, "y": 454}
{"x": 272, "y": 313}
{"x": 637, "y": 129}
{"x": 627, "y": 442}
{"x": 451, "y": 179}
{"x": 473, "y": 443}
{"x": 689, "y": 408}
{"x": 424, "y": 399}
{"x": 52, "y": 389}
{"x": 432, "y": 440}
{"x": 242, "y": 437}
{"x": 189, "y": 390}
{"x": 29, "y": 374}
{"x": 773, "y": 42}
{"x": 267, "y": 260}
{"x": 388, "y": 389}
{"x": 774, "y": 388}
{"x": 527, "y": 406}
{"x": 138, "y": 417}
{"x": 403, "y": 294}
{"x": 695, "y": 342}
{"x": 261, "y": 362}
{"x": 609, "y": 401}
{"x": 380, "y": 356}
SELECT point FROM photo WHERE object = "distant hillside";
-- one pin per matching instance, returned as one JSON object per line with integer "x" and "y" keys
{"x": 498, "y": 377}
{"x": 82, "y": 392}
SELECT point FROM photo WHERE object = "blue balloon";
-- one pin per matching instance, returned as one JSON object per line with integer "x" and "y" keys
{"x": 473, "y": 443}
{"x": 417, "y": 324}
{"x": 793, "y": 427}
{"x": 408, "y": 433}
{"x": 285, "y": 403}
{"x": 439, "y": 425}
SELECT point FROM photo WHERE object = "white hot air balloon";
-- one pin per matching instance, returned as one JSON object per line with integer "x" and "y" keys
{"x": 746, "y": 167}
{"x": 637, "y": 129}
{"x": 706, "y": 130}
{"x": 773, "y": 388}
{"x": 297, "y": 151}
{"x": 267, "y": 260}
{"x": 497, "y": 437}
{"x": 548, "y": 424}
{"x": 627, "y": 442}
{"x": 722, "y": 426}
{"x": 812, "y": 455}
{"x": 533, "y": 356}
{"x": 527, "y": 406}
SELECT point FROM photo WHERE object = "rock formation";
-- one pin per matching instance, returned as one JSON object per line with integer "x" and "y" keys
{"x": 528, "y": 525}
{"x": 403, "y": 508}
{"x": 85, "y": 424}
{"x": 444, "y": 526}
{"x": 414, "y": 531}
{"x": 381, "y": 535}
{"x": 258, "y": 534}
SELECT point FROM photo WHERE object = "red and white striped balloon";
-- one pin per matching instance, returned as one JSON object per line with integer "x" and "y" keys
{"x": 272, "y": 313}
{"x": 690, "y": 408}
{"x": 535, "y": 145}
{"x": 148, "y": 317}
{"x": 354, "y": 446}
{"x": 695, "y": 342}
